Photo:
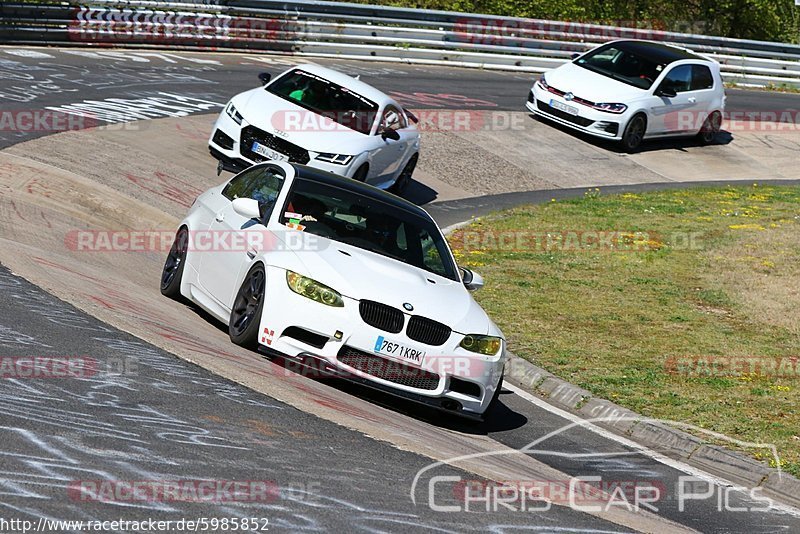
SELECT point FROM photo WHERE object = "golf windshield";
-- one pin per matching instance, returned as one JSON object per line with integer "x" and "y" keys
{"x": 370, "y": 224}
{"x": 326, "y": 98}
{"x": 623, "y": 64}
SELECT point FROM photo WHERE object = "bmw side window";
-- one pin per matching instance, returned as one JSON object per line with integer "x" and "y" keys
{"x": 260, "y": 183}
{"x": 679, "y": 79}
{"x": 431, "y": 255}
{"x": 701, "y": 78}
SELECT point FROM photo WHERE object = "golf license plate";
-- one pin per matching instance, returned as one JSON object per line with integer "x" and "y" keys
{"x": 267, "y": 152}
{"x": 400, "y": 351}
{"x": 563, "y": 107}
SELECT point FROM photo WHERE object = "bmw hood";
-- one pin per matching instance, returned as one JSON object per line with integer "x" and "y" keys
{"x": 591, "y": 86}
{"x": 297, "y": 125}
{"x": 362, "y": 275}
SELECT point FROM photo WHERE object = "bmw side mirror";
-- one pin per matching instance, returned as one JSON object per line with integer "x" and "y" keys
{"x": 472, "y": 280}
{"x": 390, "y": 134}
{"x": 575, "y": 55}
{"x": 265, "y": 77}
{"x": 666, "y": 92}
{"x": 247, "y": 208}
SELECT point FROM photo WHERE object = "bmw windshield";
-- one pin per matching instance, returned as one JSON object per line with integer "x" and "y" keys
{"x": 326, "y": 98}
{"x": 369, "y": 224}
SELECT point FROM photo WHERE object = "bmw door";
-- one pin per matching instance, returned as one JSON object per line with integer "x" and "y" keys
{"x": 234, "y": 241}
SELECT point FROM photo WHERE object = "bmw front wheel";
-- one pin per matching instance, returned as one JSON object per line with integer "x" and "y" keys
{"x": 247, "y": 307}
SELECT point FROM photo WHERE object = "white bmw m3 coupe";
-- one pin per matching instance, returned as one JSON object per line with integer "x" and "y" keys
{"x": 317, "y": 267}
{"x": 319, "y": 117}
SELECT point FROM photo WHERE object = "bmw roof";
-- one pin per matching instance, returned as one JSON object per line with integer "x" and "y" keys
{"x": 329, "y": 178}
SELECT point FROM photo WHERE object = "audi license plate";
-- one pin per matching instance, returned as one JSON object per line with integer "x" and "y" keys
{"x": 267, "y": 152}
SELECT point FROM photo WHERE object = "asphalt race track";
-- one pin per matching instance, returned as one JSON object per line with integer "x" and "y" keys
{"x": 333, "y": 456}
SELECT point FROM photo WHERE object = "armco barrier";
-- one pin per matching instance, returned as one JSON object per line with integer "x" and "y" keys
{"x": 332, "y": 29}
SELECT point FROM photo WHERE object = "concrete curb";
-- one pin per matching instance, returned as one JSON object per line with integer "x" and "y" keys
{"x": 672, "y": 442}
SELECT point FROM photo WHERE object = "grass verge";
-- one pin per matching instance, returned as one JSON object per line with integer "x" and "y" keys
{"x": 608, "y": 292}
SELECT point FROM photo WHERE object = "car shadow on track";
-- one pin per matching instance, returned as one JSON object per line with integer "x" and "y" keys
{"x": 724, "y": 137}
{"x": 500, "y": 418}
{"x": 419, "y": 193}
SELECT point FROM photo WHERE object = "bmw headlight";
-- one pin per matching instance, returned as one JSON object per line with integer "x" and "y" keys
{"x": 313, "y": 290}
{"x": 338, "y": 159}
{"x": 230, "y": 109}
{"x": 611, "y": 108}
{"x": 488, "y": 345}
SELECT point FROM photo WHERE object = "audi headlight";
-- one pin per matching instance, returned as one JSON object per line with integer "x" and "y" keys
{"x": 230, "y": 109}
{"x": 488, "y": 345}
{"x": 313, "y": 290}
{"x": 611, "y": 108}
{"x": 338, "y": 159}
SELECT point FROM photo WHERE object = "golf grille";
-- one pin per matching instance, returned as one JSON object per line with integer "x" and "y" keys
{"x": 389, "y": 370}
{"x": 427, "y": 331}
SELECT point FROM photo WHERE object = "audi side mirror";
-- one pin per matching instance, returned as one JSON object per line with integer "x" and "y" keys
{"x": 390, "y": 134}
{"x": 265, "y": 77}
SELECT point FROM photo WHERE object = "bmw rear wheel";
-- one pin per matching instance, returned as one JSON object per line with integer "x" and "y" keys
{"x": 247, "y": 307}
{"x": 172, "y": 273}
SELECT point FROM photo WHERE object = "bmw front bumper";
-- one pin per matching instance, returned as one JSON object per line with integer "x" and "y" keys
{"x": 448, "y": 377}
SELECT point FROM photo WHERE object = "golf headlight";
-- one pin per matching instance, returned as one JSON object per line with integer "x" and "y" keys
{"x": 313, "y": 290}
{"x": 488, "y": 345}
{"x": 230, "y": 109}
{"x": 543, "y": 83}
{"x": 611, "y": 108}
{"x": 338, "y": 159}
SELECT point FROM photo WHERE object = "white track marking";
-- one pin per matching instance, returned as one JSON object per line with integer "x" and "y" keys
{"x": 644, "y": 451}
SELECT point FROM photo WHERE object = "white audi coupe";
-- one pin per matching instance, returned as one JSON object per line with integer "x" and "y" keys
{"x": 319, "y": 117}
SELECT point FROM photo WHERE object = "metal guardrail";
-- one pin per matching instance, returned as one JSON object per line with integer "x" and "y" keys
{"x": 332, "y": 29}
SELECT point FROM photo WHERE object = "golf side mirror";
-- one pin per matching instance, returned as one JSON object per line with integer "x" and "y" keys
{"x": 666, "y": 92}
{"x": 265, "y": 77}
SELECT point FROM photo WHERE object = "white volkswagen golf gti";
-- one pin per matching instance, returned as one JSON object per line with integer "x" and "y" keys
{"x": 319, "y": 117}
{"x": 632, "y": 90}
{"x": 325, "y": 269}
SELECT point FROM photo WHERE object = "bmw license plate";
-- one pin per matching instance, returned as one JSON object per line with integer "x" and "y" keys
{"x": 267, "y": 152}
{"x": 563, "y": 107}
{"x": 399, "y": 350}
